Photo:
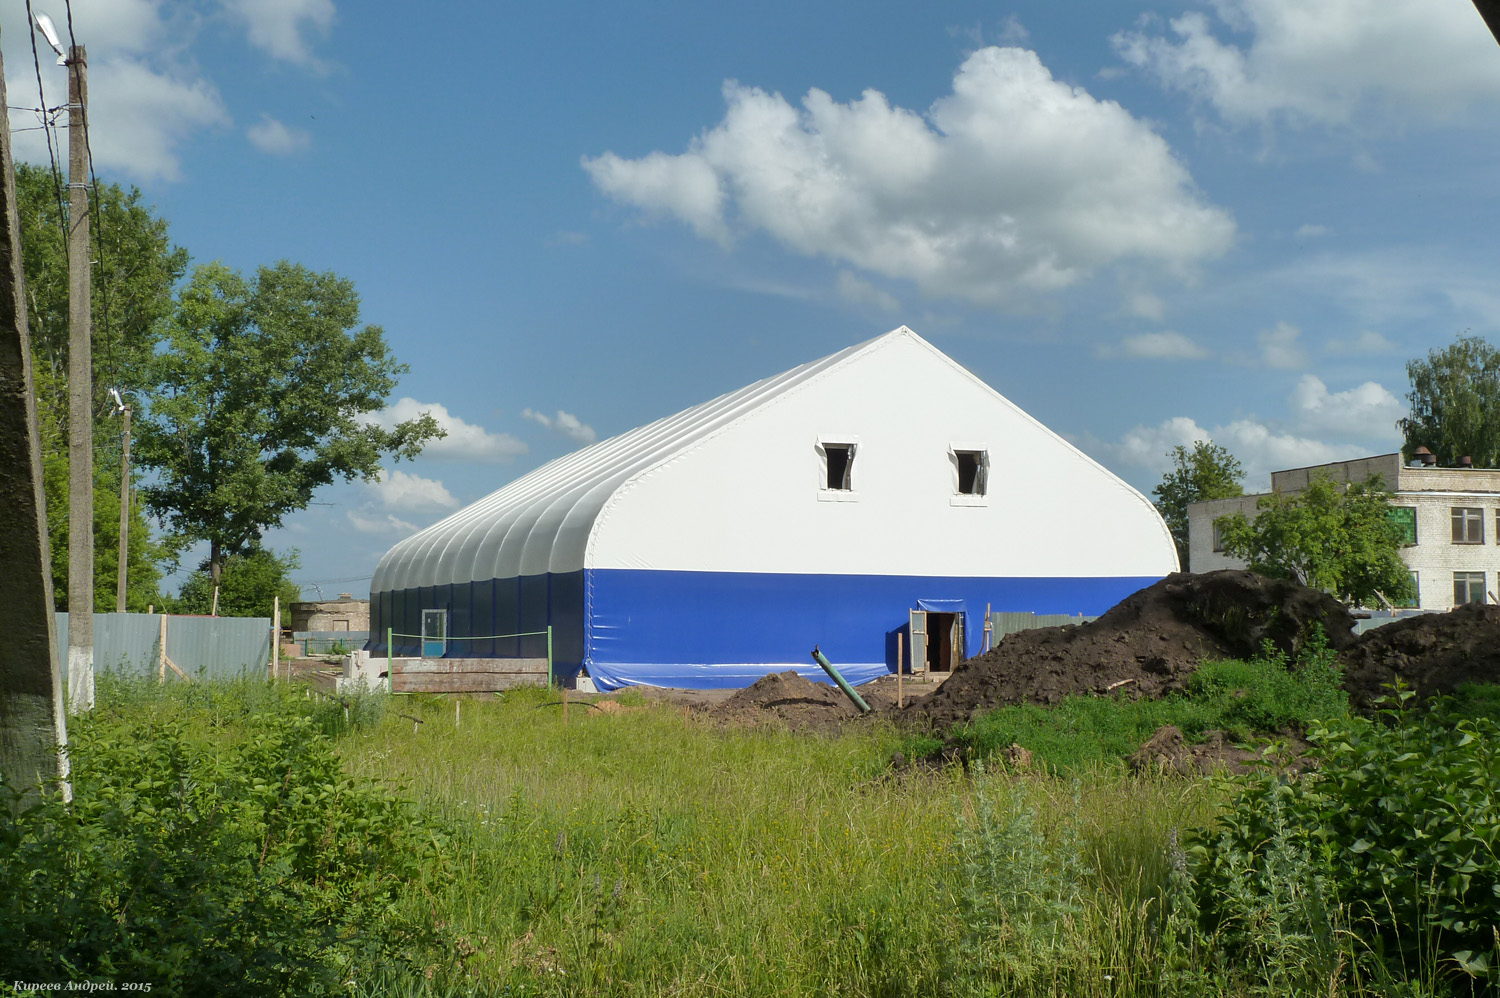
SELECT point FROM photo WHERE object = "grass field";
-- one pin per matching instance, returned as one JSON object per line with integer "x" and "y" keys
{"x": 652, "y": 853}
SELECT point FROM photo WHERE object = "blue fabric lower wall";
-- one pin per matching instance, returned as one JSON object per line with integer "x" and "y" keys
{"x": 718, "y": 630}
{"x": 479, "y": 610}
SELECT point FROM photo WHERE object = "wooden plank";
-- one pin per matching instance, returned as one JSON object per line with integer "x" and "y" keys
{"x": 470, "y": 682}
{"x": 456, "y": 666}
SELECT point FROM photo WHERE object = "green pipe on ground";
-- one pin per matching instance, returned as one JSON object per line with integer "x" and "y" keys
{"x": 822, "y": 660}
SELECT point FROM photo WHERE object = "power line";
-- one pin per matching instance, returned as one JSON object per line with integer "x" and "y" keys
{"x": 41, "y": 94}
{"x": 109, "y": 340}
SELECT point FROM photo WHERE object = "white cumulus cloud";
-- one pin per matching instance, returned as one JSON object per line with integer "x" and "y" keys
{"x": 1323, "y": 62}
{"x": 398, "y": 490}
{"x": 1014, "y": 185}
{"x": 1367, "y": 341}
{"x": 271, "y": 136}
{"x": 379, "y": 523}
{"x": 146, "y": 98}
{"x": 1167, "y": 345}
{"x": 1258, "y": 447}
{"x": 565, "y": 423}
{"x": 1363, "y": 411}
{"x": 281, "y": 28}
{"x": 464, "y": 442}
{"x": 1281, "y": 347}
{"x": 861, "y": 292}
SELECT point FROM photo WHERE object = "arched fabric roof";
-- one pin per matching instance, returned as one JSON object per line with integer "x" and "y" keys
{"x": 540, "y": 523}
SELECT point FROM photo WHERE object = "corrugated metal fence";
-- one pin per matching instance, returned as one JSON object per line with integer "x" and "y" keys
{"x": 1005, "y": 623}
{"x": 1002, "y": 624}
{"x": 219, "y": 647}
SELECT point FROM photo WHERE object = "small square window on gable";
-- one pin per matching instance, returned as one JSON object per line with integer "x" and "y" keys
{"x": 972, "y": 465}
{"x": 836, "y": 473}
{"x": 839, "y": 460}
{"x": 971, "y": 474}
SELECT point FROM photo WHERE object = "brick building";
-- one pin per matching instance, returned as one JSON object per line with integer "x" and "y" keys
{"x": 1451, "y": 517}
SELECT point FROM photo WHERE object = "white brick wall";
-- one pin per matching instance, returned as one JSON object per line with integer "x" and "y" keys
{"x": 1433, "y": 492}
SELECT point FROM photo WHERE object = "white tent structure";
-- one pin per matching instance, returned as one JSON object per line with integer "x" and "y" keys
{"x": 819, "y": 506}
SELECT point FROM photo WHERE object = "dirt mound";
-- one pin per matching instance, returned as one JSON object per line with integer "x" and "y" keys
{"x": 1167, "y": 751}
{"x": 1145, "y": 645}
{"x": 1432, "y": 653}
{"x": 788, "y": 699}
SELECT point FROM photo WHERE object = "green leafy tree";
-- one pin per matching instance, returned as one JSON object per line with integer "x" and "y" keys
{"x": 248, "y": 585}
{"x": 146, "y": 557}
{"x": 263, "y": 387}
{"x": 136, "y": 266}
{"x": 1340, "y": 540}
{"x": 1455, "y": 403}
{"x": 1208, "y": 471}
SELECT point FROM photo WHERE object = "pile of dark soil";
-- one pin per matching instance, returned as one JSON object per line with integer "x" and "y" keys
{"x": 1146, "y": 645}
{"x": 1432, "y": 654}
{"x": 789, "y": 700}
{"x": 1167, "y": 751}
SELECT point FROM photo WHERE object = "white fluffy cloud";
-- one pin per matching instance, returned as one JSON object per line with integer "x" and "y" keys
{"x": 145, "y": 97}
{"x": 1364, "y": 411}
{"x": 565, "y": 423}
{"x": 379, "y": 523}
{"x": 1367, "y": 341}
{"x": 1259, "y": 448}
{"x": 403, "y": 492}
{"x": 1325, "y": 62}
{"x": 271, "y": 136}
{"x": 1166, "y": 345}
{"x": 861, "y": 292}
{"x": 281, "y": 28}
{"x": 1281, "y": 347}
{"x": 1015, "y": 184}
{"x": 464, "y": 442}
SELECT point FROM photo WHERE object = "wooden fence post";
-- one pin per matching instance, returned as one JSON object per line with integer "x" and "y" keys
{"x": 900, "y": 695}
{"x": 276, "y": 640}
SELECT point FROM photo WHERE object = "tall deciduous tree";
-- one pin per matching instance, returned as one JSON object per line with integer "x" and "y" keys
{"x": 135, "y": 267}
{"x": 1340, "y": 540}
{"x": 1455, "y": 403}
{"x": 249, "y": 584}
{"x": 1208, "y": 471}
{"x": 262, "y": 387}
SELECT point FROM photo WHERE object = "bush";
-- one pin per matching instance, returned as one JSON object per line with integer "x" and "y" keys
{"x": 211, "y": 865}
{"x": 1267, "y": 694}
{"x": 1245, "y": 699}
{"x": 1401, "y": 824}
{"x": 1018, "y": 896}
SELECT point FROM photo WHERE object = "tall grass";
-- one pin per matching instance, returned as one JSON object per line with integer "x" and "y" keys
{"x": 647, "y": 853}
{"x": 1244, "y": 699}
{"x": 651, "y": 853}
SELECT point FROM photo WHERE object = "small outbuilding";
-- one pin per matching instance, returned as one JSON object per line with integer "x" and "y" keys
{"x": 857, "y": 502}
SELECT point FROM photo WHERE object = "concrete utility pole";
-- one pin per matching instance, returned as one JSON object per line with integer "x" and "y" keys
{"x": 80, "y": 397}
{"x": 33, "y": 723}
{"x": 124, "y": 513}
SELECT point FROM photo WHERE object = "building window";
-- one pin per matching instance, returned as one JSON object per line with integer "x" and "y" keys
{"x": 1416, "y": 594}
{"x": 1468, "y": 587}
{"x": 1405, "y": 517}
{"x": 1218, "y": 537}
{"x": 973, "y": 472}
{"x": 840, "y": 465}
{"x": 1468, "y": 525}
{"x": 836, "y": 468}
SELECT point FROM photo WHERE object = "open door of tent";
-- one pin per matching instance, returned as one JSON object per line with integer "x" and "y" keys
{"x": 918, "y": 641}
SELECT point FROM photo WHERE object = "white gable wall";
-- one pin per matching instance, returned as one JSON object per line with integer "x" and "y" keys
{"x": 747, "y": 498}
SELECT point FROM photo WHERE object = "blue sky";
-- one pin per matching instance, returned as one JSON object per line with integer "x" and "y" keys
{"x": 1145, "y": 223}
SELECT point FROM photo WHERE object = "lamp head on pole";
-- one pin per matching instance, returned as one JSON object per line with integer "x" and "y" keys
{"x": 49, "y": 32}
